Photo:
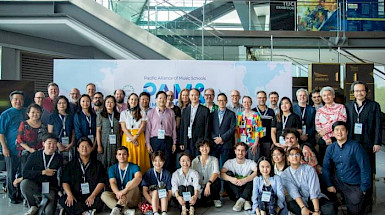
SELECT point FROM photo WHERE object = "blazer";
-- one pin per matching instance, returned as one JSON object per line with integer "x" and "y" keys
{"x": 370, "y": 117}
{"x": 200, "y": 126}
{"x": 226, "y": 129}
{"x": 309, "y": 121}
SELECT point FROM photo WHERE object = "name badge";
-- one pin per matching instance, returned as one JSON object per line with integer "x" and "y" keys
{"x": 45, "y": 187}
{"x": 189, "y": 132}
{"x": 91, "y": 137}
{"x": 264, "y": 131}
{"x": 85, "y": 188}
{"x": 357, "y": 128}
{"x": 304, "y": 129}
{"x": 186, "y": 196}
{"x": 65, "y": 141}
{"x": 243, "y": 138}
{"x": 112, "y": 139}
{"x": 161, "y": 134}
{"x": 266, "y": 196}
{"x": 162, "y": 193}
{"x": 282, "y": 140}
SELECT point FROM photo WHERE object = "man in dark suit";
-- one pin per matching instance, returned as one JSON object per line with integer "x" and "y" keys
{"x": 195, "y": 123}
{"x": 363, "y": 118}
{"x": 267, "y": 115}
{"x": 307, "y": 116}
{"x": 223, "y": 124}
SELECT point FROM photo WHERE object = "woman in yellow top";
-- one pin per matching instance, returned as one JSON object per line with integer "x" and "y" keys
{"x": 133, "y": 123}
{"x": 249, "y": 128}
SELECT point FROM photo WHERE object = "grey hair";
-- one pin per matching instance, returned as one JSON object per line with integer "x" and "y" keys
{"x": 327, "y": 88}
{"x": 302, "y": 90}
{"x": 209, "y": 89}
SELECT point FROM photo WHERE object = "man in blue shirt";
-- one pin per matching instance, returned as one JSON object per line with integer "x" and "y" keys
{"x": 124, "y": 179}
{"x": 352, "y": 169}
{"x": 10, "y": 121}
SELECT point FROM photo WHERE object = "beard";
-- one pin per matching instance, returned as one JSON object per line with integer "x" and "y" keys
{"x": 98, "y": 103}
{"x": 119, "y": 101}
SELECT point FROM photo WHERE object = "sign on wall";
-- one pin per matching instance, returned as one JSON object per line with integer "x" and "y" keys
{"x": 154, "y": 75}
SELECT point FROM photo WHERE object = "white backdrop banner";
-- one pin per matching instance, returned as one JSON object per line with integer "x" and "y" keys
{"x": 154, "y": 75}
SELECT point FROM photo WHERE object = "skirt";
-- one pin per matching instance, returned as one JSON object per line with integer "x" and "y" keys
{"x": 137, "y": 154}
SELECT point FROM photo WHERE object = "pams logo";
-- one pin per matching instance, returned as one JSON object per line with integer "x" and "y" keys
{"x": 128, "y": 89}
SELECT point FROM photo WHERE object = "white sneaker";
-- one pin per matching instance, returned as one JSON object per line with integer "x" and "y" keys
{"x": 191, "y": 211}
{"x": 32, "y": 210}
{"x": 217, "y": 203}
{"x": 116, "y": 211}
{"x": 129, "y": 212}
{"x": 247, "y": 206}
{"x": 156, "y": 213}
{"x": 164, "y": 213}
{"x": 238, "y": 205}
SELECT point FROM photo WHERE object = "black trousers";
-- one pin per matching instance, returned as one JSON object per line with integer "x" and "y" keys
{"x": 215, "y": 189}
{"x": 235, "y": 192}
{"x": 12, "y": 165}
{"x": 353, "y": 196}
{"x": 182, "y": 189}
{"x": 327, "y": 207}
{"x": 80, "y": 206}
{"x": 164, "y": 145}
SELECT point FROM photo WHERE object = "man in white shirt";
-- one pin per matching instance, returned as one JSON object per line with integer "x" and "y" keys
{"x": 238, "y": 174}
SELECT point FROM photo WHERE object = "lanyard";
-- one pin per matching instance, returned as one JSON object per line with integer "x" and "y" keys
{"x": 358, "y": 112}
{"x": 124, "y": 174}
{"x": 186, "y": 179}
{"x": 160, "y": 178}
{"x": 63, "y": 120}
{"x": 264, "y": 114}
{"x": 46, "y": 166}
{"x": 303, "y": 113}
{"x": 204, "y": 167}
{"x": 111, "y": 119}
{"x": 89, "y": 122}
{"x": 84, "y": 169}
{"x": 284, "y": 121}
{"x": 161, "y": 116}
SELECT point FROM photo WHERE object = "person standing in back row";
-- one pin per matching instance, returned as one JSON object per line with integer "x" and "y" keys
{"x": 195, "y": 124}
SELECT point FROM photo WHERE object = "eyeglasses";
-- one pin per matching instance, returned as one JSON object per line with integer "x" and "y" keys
{"x": 359, "y": 91}
{"x": 296, "y": 155}
{"x": 209, "y": 95}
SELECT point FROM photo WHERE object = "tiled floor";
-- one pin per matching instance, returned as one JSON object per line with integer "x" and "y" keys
{"x": 379, "y": 209}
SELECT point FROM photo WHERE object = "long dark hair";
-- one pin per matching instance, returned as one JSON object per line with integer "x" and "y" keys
{"x": 55, "y": 110}
{"x": 104, "y": 112}
{"x": 135, "y": 110}
{"x": 280, "y": 114}
{"x": 80, "y": 106}
{"x": 270, "y": 163}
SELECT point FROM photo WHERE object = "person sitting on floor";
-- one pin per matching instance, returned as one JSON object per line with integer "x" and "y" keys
{"x": 125, "y": 178}
{"x": 40, "y": 176}
{"x": 157, "y": 184}
{"x": 238, "y": 174}
{"x": 83, "y": 180}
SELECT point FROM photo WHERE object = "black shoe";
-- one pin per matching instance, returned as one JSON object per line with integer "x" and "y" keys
{"x": 15, "y": 201}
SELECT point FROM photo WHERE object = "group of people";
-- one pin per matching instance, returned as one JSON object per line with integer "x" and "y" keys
{"x": 268, "y": 159}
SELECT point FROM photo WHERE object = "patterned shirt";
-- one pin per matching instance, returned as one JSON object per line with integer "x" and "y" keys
{"x": 251, "y": 127}
{"x": 326, "y": 116}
